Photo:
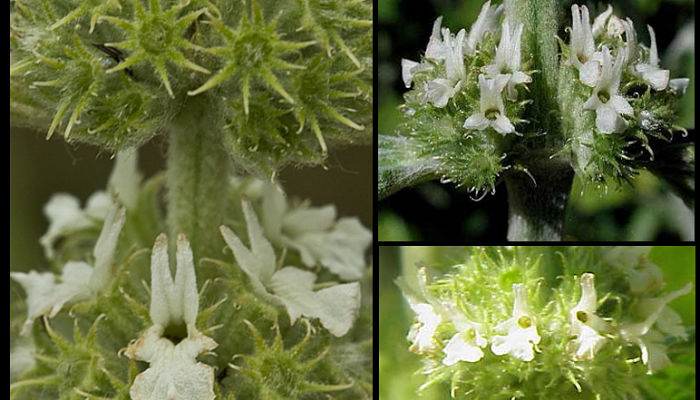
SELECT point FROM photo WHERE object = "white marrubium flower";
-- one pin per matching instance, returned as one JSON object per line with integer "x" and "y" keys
{"x": 422, "y": 333}
{"x": 174, "y": 372}
{"x": 582, "y": 48}
{"x": 650, "y": 341}
{"x": 466, "y": 344}
{"x": 642, "y": 275}
{"x": 650, "y": 71}
{"x": 485, "y": 22}
{"x": 507, "y": 60}
{"x": 521, "y": 332}
{"x": 65, "y": 215}
{"x": 491, "y": 109}
{"x": 441, "y": 90}
{"x": 79, "y": 280}
{"x": 585, "y": 325}
{"x": 605, "y": 99}
{"x": 599, "y": 22}
{"x": 338, "y": 245}
{"x": 336, "y": 306}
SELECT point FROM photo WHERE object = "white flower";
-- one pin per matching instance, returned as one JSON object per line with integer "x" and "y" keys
{"x": 125, "y": 179}
{"x": 630, "y": 40}
{"x": 642, "y": 275}
{"x": 65, "y": 215}
{"x": 485, "y": 22}
{"x": 466, "y": 344}
{"x": 436, "y": 46}
{"x": 422, "y": 333}
{"x": 605, "y": 100}
{"x": 491, "y": 109}
{"x": 600, "y": 20}
{"x": 507, "y": 60}
{"x": 336, "y": 306}
{"x": 582, "y": 48}
{"x": 338, "y": 245}
{"x": 585, "y": 325}
{"x": 410, "y": 68}
{"x": 654, "y": 313}
{"x": 173, "y": 372}
{"x": 650, "y": 71}
{"x": 679, "y": 85}
{"x": 79, "y": 280}
{"x": 653, "y": 351}
{"x": 440, "y": 90}
{"x": 521, "y": 332}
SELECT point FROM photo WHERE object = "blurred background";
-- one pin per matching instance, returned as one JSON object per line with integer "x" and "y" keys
{"x": 645, "y": 211}
{"x": 40, "y": 168}
{"x": 397, "y": 366}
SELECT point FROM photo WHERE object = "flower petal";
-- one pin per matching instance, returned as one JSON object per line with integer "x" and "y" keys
{"x": 502, "y": 125}
{"x": 406, "y": 71}
{"x": 459, "y": 349}
{"x": 476, "y": 121}
{"x": 607, "y": 120}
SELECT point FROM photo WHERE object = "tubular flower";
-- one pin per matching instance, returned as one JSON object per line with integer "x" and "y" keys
{"x": 422, "y": 333}
{"x": 583, "y": 55}
{"x": 441, "y": 90}
{"x": 485, "y": 22}
{"x": 643, "y": 334}
{"x": 491, "y": 109}
{"x": 642, "y": 275}
{"x": 467, "y": 343}
{"x": 79, "y": 280}
{"x": 507, "y": 60}
{"x": 600, "y": 21}
{"x": 174, "y": 372}
{"x": 605, "y": 100}
{"x": 336, "y": 307}
{"x": 650, "y": 71}
{"x": 585, "y": 325}
{"x": 338, "y": 245}
{"x": 521, "y": 332}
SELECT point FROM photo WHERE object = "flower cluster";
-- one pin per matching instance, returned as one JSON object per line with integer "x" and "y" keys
{"x": 461, "y": 315}
{"x": 301, "y": 273}
{"x": 450, "y": 66}
{"x": 613, "y": 62}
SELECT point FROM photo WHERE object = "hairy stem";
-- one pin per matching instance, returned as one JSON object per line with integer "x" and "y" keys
{"x": 197, "y": 174}
{"x": 536, "y": 210}
{"x": 537, "y": 200}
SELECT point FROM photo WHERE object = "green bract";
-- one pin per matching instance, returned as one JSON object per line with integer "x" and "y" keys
{"x": 117, "y": 73}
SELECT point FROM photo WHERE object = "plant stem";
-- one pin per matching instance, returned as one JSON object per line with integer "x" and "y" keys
{"x": 197, "y": 177}
{"x": 536, "y": 210}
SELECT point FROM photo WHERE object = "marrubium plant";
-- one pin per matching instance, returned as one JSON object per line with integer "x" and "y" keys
{"x": 554, "y": 323}
{"x": 530, "y": 96}
{"x": 204, "y": 281}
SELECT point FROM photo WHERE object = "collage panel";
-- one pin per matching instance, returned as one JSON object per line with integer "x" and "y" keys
{"x": 191, "y": 199}
{"x": 559, "y": 322}
{"x": 574, "y": 122}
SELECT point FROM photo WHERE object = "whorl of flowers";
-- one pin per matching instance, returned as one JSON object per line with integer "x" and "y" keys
{"x": 506, "y": 320}
{"x": 502, "y": 99}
